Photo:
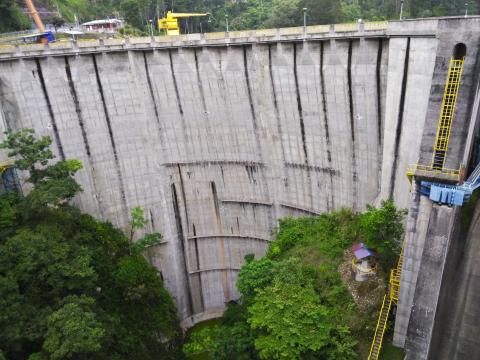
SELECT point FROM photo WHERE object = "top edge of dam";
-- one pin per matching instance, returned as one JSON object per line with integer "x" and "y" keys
{"x": 425, "y": 27}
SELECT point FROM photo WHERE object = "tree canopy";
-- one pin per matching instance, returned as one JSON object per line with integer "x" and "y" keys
{"x": 252, "y": 14}
{"x": 294, "y": 303}
{"x": 72, "y": 288}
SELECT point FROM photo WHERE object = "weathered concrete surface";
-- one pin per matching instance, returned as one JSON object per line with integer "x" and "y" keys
{"x": 440, "y": 234}
{"x": 457, "y": 322}
{"x": 416, "y": 230}
{"x": 218, "y": 139}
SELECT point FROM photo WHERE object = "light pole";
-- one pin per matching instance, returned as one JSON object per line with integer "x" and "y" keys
{"x": 305, "y": 18}
{"x": 226, "y": 21}
{"x": 151, "y": 27}
{"x": 466, "y": 9}
{"x": 401, "y": 9}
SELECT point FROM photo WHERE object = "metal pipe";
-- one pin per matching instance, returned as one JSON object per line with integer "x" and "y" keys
{"x": 34, "y": 14}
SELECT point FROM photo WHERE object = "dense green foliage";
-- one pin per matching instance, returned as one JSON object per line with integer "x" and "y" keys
{"x": 72, "y": 287}
{"x": 12, "y": 17}
{"x": 294, "y": 302}
{"x": 251, "y": 14}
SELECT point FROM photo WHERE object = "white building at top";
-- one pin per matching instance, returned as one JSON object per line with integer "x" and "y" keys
{"x": 103, "y": 26}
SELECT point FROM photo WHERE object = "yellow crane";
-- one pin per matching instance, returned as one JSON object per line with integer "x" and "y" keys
{"x": 170, "y": 22}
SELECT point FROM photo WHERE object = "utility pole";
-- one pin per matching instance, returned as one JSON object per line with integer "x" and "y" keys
{"x": 304, "y": 17}
{"x": 466, "y": 9}
{"x": 401, "y": 9}
{"x": 226, "y": 21}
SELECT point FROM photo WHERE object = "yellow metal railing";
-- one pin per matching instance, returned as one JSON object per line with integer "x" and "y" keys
{"x": 6, "y": 165}
{"x": 364, "y": 270}
{"x": 395, "y": 275}
{"x": 391, "y": 297}
{"x": 450, "y": 95}
{"x": 380, "y": 329}
{"x": 428, "y": 170}
{"x": 442, "y": 138}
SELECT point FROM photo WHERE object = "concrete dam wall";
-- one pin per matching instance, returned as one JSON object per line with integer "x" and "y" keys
{"x": 217, "y": 140}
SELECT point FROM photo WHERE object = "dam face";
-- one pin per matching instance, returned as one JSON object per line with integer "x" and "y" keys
{"x": 219, "y": 138}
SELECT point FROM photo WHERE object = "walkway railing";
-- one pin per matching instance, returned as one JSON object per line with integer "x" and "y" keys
{"x": 390, "y": 298}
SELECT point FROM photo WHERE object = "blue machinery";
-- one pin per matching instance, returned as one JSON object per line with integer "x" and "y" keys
{"x": 457, "y": 195}
{"x": 446, "y": 194}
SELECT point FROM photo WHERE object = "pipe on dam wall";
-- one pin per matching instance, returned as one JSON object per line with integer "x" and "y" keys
{"x": 217, "y": 143}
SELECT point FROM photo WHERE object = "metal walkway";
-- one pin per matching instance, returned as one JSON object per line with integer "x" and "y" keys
{"x": 390, "y": 299}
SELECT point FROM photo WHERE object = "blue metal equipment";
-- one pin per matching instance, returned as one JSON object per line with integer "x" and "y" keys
{"x": 456, "y": 195}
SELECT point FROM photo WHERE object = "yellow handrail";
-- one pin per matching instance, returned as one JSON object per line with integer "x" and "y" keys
{"x": 380, "y": 329}
{"x": 390, "y": 297}
{"x": 449, "y": 101}
{"x": 6, "y": 165}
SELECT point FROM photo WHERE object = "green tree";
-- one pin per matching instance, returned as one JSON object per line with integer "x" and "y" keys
{"x": 254, "y": 275}
{"x": 382, "y": 230}
{"x": 73, "y": 329}
{"x": 70, "y": 285}
{"x": 291, "y": 321}
{"x": 12, "y": 17}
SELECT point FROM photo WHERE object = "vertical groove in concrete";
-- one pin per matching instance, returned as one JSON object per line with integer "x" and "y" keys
{"x": 352, "y": 124}
{"x": 258, "y": 144}
{"x": 326, "y": 127}
{"x": 275, "y": 102}
{"x": 299, "y": 104}
{"x": 302, "y": 125}
{"x": 197, "y": 258}
{"x": 81, "y": 123}
{"x": 181, "y": 239}
{"x": 379, "y": 92}
{"x": 177, "y": 95}
{"x": 50, "y": 109}
{"x": 111, "y": 137}
{"x": 200, "y": 86}
{"x": 78, "y": 110}
{"x": 398, "y": 132}
{"x": 218, "y": 217}
{"x": 152, "y": 95}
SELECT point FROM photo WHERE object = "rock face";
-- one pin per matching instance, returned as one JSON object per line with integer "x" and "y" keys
{"x": 217, "y": 139}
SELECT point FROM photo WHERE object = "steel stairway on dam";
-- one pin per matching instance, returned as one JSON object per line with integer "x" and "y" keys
{"x": 438, "y": 188}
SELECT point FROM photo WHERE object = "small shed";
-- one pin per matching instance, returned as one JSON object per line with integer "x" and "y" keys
{"x": 364, "y": 262}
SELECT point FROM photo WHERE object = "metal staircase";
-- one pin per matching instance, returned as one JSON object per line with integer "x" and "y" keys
{"x": 390, "y": 298}
{"x": 436, "y": 169}
{"x": 446, "y": 113}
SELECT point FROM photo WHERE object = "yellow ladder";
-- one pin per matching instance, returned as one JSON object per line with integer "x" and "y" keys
{"x": 390, "y": 298}
{"x": 446, "y": 113}
{"x": 395, "y": 279}
{"x": 380, "y": 329}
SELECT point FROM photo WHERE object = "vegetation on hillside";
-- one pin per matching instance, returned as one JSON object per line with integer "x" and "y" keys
{"x": 73, "y": 287}
{"x": 251, "y": 14}
{"x": 295, "y": 304}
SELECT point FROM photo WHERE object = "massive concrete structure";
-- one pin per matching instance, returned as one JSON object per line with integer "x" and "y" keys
{"x": 218, "y": 136}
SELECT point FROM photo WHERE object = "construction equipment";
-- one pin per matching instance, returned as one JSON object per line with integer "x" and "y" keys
{"x": 390, "y": 299}
{"x": 170, "y": 22}
{"x": 44, "y": 37}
